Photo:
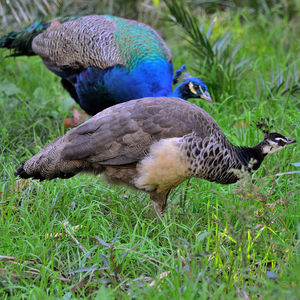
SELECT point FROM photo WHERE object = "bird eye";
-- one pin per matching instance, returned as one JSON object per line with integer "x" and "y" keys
{"x": 192, "y": 88}
{"x": 280, "y": 141}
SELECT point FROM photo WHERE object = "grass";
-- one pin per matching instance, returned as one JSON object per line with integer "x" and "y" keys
{"x": 80, "y": 238}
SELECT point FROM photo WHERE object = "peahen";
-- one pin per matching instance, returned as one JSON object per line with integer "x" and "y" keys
{"x": 104, "y": 60}
{"x": 152, "y": 144}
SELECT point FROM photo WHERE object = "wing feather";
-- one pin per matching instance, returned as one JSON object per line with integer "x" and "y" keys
{"x": 123, "y": 134}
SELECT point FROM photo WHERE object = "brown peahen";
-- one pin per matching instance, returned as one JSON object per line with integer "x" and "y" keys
{"x": 152, "y": 144}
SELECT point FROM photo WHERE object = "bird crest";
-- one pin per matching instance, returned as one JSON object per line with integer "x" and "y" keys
{"x": 181, "y": 74}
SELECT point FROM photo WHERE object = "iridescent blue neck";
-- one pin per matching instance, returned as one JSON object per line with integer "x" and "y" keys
{"x": 181, "y": 91}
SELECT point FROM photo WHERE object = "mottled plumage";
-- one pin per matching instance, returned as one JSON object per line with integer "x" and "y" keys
{"x": 104, "y": 60}
{"x": 152, "y": 144}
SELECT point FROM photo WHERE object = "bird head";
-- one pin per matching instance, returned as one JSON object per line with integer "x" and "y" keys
{"x": 274, "y": 142}
{"x": 193, "y": 87}
{"x": 190, "y": 87}
{"x": 197, "y": 89}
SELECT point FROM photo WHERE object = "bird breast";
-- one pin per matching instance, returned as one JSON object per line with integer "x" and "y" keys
{"x": 163, "y": 168}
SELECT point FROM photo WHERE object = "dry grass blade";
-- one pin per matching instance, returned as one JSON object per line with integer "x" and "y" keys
{"x": 74, "y": 239}
{"x": 4, "y": 257}
{"x": 29, "y": 271}
{"x": 58, "y": 235}
{"x": 159, "y": 277}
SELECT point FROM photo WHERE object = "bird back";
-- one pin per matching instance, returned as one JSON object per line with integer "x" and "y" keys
{"x": 123, "y": 133}
{"x": 100, "y": 41}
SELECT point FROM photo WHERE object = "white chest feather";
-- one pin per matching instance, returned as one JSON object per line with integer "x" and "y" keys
{"x": 163, "y": 168}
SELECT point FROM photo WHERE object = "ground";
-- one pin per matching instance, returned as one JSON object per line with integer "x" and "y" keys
{"x": 82, "y": 238}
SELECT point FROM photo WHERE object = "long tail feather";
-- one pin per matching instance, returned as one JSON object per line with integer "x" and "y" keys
{"x": 20, "y": 42}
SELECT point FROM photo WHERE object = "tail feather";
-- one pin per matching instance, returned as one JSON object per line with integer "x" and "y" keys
{"x": 20, "y": 42}
{"x": 49, "y": 164}
{"x": 20, "y": 172}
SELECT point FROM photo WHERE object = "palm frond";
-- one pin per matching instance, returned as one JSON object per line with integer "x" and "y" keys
{"x": 17, "y": 13}
{"x": 26, "y": 11}
{"x": 216, "y": 57}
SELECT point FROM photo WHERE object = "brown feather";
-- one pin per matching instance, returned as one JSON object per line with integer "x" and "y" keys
{"x": 128, "y": 130}
{"x": 152, "y": 144}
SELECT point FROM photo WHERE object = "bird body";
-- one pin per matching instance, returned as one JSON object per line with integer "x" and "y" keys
{"x": 104, "y": 60}
{"x": 152, "y": 144}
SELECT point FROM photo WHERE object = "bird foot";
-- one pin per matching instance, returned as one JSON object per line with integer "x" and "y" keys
{"x": 159, "y": 202}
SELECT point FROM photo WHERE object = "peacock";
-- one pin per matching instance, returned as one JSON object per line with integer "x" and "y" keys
{"x": 104, "y": 60}
{"x": 152, "y": 144}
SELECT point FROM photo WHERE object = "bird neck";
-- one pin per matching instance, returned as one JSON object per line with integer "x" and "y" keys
{"x": 215, "y": 159}
{"x": 181, "y": 91}
{"x": 250, "y": 157}
{"x": 243, "y": 159}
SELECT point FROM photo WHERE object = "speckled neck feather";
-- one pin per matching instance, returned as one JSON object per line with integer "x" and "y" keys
{"x": 214, "y": 158}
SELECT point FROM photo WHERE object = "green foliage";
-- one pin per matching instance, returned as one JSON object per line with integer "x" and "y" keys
{"x": 19, "y": 13}
{"x": 81, "y": 238}
{"x": 215, "y": 57}
{"x": 283, "y": 8}
{"x": 219, "y": 57}
{"x": 283, "y": 82}
{"x": 26, "y": 11}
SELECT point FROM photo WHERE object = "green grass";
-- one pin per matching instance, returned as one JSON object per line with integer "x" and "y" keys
{"x": 215, "y": 242}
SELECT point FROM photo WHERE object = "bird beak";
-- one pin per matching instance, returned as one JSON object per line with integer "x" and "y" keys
{"x": 290, "y": 141}
{"x": 206, "y": 96}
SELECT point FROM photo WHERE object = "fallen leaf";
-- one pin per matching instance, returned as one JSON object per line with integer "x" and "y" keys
{"x": 77, "y": 119}
{"x": 160, "y": 276}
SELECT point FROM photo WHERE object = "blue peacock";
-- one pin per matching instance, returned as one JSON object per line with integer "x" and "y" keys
{"x": 104, "y": 60}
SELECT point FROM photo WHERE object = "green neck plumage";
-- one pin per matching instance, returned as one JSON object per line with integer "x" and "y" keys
{"x": 149, "y": 47}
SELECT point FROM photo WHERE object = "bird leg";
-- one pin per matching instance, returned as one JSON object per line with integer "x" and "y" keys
{"x": 159, "y": 202}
